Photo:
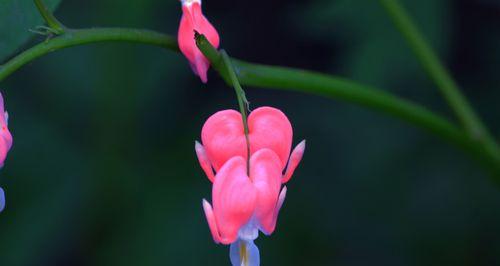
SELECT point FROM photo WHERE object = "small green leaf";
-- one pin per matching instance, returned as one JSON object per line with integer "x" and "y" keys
{"x": 17, "y": 17}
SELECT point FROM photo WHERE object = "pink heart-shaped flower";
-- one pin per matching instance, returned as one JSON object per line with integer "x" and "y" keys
{"x": 223, "y": 135}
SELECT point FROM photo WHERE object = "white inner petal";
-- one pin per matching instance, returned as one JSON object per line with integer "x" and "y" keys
{"x": 249, "y": 232}
{"x": 190, "y": 2}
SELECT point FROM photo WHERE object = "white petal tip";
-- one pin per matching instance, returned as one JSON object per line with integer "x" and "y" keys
{"x": 302, "y": 145}
{"x": 197, "y": 145}
{"x": 206, "y": 205}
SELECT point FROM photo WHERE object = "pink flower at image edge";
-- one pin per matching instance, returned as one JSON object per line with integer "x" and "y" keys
{"x": 5, "y": 144}
{"x": 193, "y": 20}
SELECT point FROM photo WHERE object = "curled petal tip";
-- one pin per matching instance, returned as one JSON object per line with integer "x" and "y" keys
{"x": 294, "y": 160}
{"x": 209, "y": 214}
{"x": 279, "y": 204}
{"x": 301, "y": 146}
{"x": 281, "y": 199}
{"x": 205, "y": 204}
{"x": 197, "y": 145}
{"x": 205, "y": 163}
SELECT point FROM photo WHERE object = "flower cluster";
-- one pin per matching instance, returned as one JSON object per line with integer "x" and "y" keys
{"x": 247, "y": 161}
{"x": 247, "y": 191}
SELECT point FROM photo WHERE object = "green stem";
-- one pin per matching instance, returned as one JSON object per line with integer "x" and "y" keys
{"x": 80, "y": 37}
{"x": 49, "y": 18}
{"x": 272, "y": 77}
{"x": 242, "y": 100}
{"x": 435, "y": 69}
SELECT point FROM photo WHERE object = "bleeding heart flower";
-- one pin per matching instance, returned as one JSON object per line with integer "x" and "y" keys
{"x": 246, "y": 195}
{"x": 193, "y": 20}
{"x": 5, "y": 136}
{"x": 5, "y": 144}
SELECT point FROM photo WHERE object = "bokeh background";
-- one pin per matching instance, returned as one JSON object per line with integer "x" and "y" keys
{"x": 103, "y": 169}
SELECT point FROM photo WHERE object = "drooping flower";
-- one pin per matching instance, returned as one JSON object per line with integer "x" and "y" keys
{"x": 246, "y": 194}
{"x": 193, "y": 20}
{"x": 5, "y": 136}
{"x": 5, "y": 144}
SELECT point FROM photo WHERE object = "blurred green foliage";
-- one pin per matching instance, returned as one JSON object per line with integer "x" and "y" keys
{"x": 103, "y": 170}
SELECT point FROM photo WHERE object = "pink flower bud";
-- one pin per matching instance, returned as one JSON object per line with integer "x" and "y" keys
{"x": 193, "y": 20}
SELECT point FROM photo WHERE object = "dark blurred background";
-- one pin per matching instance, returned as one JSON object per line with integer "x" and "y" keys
{"x": 103, "y": 169}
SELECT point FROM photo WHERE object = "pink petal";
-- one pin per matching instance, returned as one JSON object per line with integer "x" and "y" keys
{"x": 204, "y": 161}
{"x": 212, "y": 224}
{"x": 234, "y": 198}
{"x": 270, "y": 128}
{"x": 193, "y": 20}
{"x": 281, "y": 200}
{"x": 294, "y": 161}
{"x": 201, "y": 64}
{"x": 223, "y": 137}
{"x": 265, "y": 172}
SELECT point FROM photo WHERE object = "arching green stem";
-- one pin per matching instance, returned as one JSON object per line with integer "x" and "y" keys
{"x": 441, "y": 77}
{"x": 276, "y": 78}
{"x": 80, "y": 37}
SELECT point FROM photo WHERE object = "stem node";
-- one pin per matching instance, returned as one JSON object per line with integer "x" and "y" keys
{"x": 56, "y": 27}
